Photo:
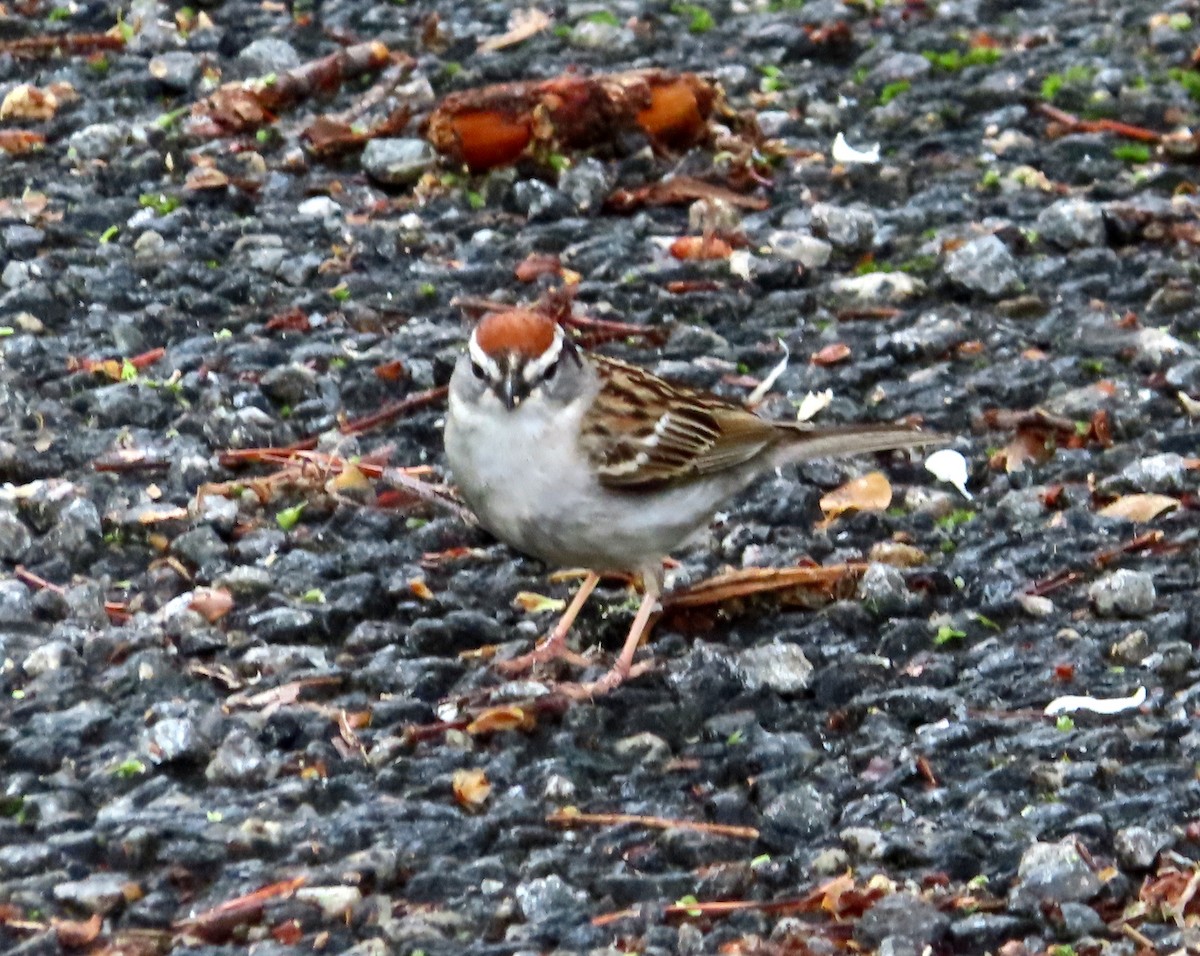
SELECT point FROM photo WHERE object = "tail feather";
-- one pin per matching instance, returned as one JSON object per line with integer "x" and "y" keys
{"x": 810, "y": 442}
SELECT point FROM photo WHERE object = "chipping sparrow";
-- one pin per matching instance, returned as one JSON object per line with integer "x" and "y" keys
{"x": 585, "y": 461}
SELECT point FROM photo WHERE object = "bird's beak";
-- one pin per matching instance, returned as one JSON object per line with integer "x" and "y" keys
{"x": 512, "y": 388}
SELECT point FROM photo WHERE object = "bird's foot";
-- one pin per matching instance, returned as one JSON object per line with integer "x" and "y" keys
{"x": 551, "y": 649}
{"x": 610, "y": 681}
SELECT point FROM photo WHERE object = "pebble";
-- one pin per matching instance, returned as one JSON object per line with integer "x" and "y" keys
{"x": 546, "y": 897}
{"x": 177, "y": 70}
{"x": 883, "y": 590}
{"x": 587, "y": 182}
{"x": 1071, "y": 223}
{"x": 538, "y": 201}
{"x": 238, "y": 761}
{"x": 1138, "y": 847}
{"x": 172, "y": 739}
{"x": 101, "y": 893}
{"x": 16, "y": 604}
{"x": 48, "y": 657}
{"x": 877, "y": 287}
{"x": 780, "y": 667}
{"x": 802, "y": 247}
{"x": 984, "y": 265}
{"x": 398, "y": 162}
{"x": 268, "y": 55}
{"x": 1125, "y": 592}
{"x": 796, "y": 815}
{"x": 101, "y": 140}
{"x": 846, "y": 227}
{"x": 910, "y": 923}
{"x": 1053, "y": 871}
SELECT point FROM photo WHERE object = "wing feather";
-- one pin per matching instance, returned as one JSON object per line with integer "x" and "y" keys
{"x": 644, "y": 433}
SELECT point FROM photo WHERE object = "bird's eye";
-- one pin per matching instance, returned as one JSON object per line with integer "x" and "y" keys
{"x": 552, "y": 370}
{"x": 478, "y": 370}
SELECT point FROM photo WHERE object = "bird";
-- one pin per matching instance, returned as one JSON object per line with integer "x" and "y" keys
{"x": 585, "y": 461}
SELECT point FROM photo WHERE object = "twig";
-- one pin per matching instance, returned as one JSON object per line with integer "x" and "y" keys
{"x": 37, "y": 581}
{"x": 569, "y": 819}
{"x": 1075, "y": 124}
{"x": 393, "y": 411}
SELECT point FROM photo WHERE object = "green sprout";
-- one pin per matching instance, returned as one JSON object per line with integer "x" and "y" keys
{"x": 288, "y": 517}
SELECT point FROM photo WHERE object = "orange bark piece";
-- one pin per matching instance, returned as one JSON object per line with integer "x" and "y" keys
{"x": 701, "y": 247}
{"x": 673, "y": 116}
{"x": 488, "y": 138}
{"x": 494, "y": 125}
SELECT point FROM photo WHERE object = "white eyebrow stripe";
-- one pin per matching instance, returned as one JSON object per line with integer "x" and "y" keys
{"x": 483, "y": 360}
{"x": 535, "y": 370}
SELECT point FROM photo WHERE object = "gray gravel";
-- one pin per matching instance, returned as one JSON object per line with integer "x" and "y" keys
{"x": 885, "y": 760}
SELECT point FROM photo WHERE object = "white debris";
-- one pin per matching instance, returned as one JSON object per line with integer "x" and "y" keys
{"x": 1097, "y": 705}
{"x": 843, "y": 152}
{"x": 760, "y": 390}
{"x": 814, "y": 403}
{"x": 949, "y": 466}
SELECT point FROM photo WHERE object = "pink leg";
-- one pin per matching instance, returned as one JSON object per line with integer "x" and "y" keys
{"x": 624, "y": 668}
{"x": 555, "y": 646}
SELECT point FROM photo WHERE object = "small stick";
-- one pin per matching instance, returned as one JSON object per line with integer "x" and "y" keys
{"x": 562, "y": 818}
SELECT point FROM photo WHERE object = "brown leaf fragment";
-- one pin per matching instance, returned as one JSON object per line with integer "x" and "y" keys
{"x": 294, "y": 319}
{"x": 1139, "y": 507}
{"x": 75, "y": 934}
{"x": 537, "y": 264}
{"x": 17, "y": 142}
{"x": 471, "y": 788}
{"x": 212, "y": 604}
{"x": 869, "y": 492}
{"x": 825, "y": 584}
{"x": 1028, "y": 446}
{"x": 680, "y": 191}
{"x": 205, "y": 177}
{"x": 897, "y": 554}
{"x": 831, "y": 354}
{"x": 496, "y": 719}
{"x": 218, "y": 924}
{"x": 701, "y": 248}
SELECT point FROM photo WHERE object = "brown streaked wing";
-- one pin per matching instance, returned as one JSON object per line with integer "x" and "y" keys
{"x": 645, "y": 432}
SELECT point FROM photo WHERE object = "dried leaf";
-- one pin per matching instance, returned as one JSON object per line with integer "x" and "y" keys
{"x": 495, "y": 719}
{"x": 533, "y": 603}
{"x": 471, "y": 788}
{"x": 206, "y": 177}
{"x": 824, "y": 583}
{"x": 420, "y": 589}
{"x": 17, "y": 142}
{"x": 897, "y": 554}
{"x": 538, "y": 264}
{"x": 831, "y": 354}
{"x": 212, "y": 604}
{"x": 350, "y": 478}
{"x": 1141, "y": 507}
{"x": 870, "y": 492}
{"x": 1028, "y": 446}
